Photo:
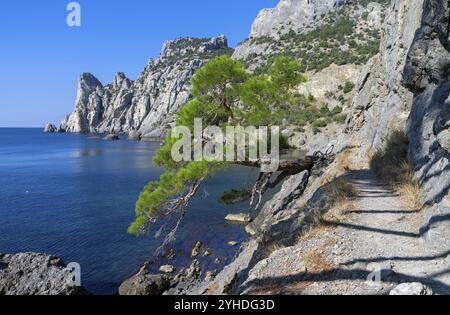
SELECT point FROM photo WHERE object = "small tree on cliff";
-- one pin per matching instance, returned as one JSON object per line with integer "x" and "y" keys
{"x": 224, "y": 94}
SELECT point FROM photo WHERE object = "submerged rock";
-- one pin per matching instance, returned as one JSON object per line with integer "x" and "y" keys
{"x": 134, "y": 135}
{"x": 111, "y": 137}
{"x": 240, "y": 218}
{"x": 35, "y": 274}
{"x": 196, "y": 250}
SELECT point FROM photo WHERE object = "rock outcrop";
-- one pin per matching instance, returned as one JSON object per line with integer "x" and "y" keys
{"x": 426, "y": 75}
{"x": 144, "y": 106}
{"x": 50, "y": 128}
{"x": 313, "y": 32}
{"x": 35, "y": 274}
{"x": 382, "y": 104}
{"x": 295, "y": 15}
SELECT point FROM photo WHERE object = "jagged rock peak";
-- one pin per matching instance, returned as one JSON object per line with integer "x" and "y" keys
{"x": 192, "y": 46}
{"x": 121, "y": 81}
{"x": 292, "y": 15}
{"x": 145, "y": 106}
{"x": 89, "y": 80}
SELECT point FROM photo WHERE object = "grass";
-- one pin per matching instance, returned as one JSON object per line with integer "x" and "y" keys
{"x": 392, "y": 166}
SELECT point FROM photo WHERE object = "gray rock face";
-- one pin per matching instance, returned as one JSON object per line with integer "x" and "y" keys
{"x": 147, "y": 104}
{"x": 35, "y": 274}
{"x": 426, "y": 75}
{"x": 382, "y": 104}
{"x": 50, "y": 128}
{"x": 292, "y": 15}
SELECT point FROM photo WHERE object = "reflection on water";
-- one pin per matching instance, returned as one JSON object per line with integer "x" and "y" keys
{"x": 86, "y": 153}
{"x": 74, "y": 197}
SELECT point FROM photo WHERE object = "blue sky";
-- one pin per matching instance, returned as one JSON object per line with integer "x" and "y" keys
{"x": 41, "y": 57}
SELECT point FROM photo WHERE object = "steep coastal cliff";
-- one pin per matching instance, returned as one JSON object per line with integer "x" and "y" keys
{"x": 145, "y": 106}
{"x": 308, "y": 242}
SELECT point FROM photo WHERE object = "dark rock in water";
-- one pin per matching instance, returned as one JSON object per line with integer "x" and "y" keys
{"x": 134, "y": 135}
{"x": 154, "y": 136}
{"x": 144, "y": 284}
{"x": 193, "y": 271}
{"x": 50, "y": 128}
{"x": 196, "y": 250}
{"x": 239, "y": 218}
{"x": 111, "y": 137}
{"x": 171, "y": 254}
{"x": 35, "y": 274}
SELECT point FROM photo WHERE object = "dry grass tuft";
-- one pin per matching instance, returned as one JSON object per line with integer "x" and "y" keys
{"x": 393, "y": 167}
{"x": 315, "y": 262}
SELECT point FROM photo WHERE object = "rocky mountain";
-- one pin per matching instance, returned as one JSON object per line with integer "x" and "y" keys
{"x": 318, "y": 33}
{"x": 145, "y": 106}
{"x": 296, "y": 15}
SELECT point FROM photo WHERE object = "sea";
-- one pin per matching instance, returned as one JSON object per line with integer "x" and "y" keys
{"x": 73, "y": 196}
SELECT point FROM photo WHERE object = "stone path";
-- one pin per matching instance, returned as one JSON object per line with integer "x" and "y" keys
{"x": 370, "y": 249}
{"x": 383, "y": 241}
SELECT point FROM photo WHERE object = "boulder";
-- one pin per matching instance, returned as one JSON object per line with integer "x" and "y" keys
{"x": 240, "y": 218}
{"x": 411, "y": 289}
{"x": 444, "y": 139}
{"x": 111, "y": 137}
{"x": 36, "y": 274}
{"x": 167, "y": 269}
{"x": 134, "y": 135}
{"x": 196, "y": 250}
{"x": 144, "y": 284}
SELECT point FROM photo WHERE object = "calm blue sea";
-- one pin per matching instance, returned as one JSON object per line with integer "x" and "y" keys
{"x": 73, "y": 196}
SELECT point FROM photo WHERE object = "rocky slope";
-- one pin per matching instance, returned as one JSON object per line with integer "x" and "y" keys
{"x": 145, "y": 106}
{"x": 404, "y": 87}
{"x": 318, "y": 33}
{"x": 35, "y": 274}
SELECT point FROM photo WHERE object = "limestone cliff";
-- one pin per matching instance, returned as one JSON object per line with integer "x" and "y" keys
{"x": 318, "y": 33}
{"x": 147, "y": 104}
{"x": 404, "y": 87}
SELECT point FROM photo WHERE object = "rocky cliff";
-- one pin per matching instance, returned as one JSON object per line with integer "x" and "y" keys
{"x": 35, "y": 274}
{"x": 318, "y": 33}
{"x": 296, "y": 15}
{"x": 405, "y": 87}
{"x": 146, "y": 105}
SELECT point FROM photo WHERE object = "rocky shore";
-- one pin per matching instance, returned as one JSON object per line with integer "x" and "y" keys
{"x": 35, "y": 274}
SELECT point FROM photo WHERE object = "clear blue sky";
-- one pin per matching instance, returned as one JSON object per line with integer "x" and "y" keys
{"x": 41, "y": 57}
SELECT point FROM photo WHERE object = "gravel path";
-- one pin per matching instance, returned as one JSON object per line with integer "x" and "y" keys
{"x": 382, "y": 241}
{"x": 370, "y": 249}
